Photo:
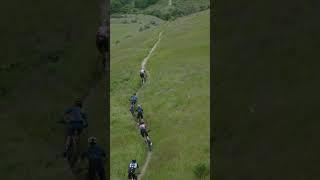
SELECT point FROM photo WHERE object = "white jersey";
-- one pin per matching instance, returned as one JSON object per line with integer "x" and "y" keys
{"x": 142, "y": 126}
{"x": 133, "y": 165}
{"x": 142, "y": 71}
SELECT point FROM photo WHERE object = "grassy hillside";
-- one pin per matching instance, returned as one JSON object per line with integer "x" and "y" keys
{"x": 126, "y": 57}
{"x": 48, "y": 58}
{"x": 176, "y": 99}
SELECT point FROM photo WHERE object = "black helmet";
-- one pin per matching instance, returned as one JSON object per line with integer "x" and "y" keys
{"x": 134, "y": 161}
{"x": 92, "y": 140}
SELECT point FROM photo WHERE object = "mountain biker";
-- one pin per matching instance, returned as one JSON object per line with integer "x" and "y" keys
{"x": 133, "y": 165}
{"x": 143, "y": 129}
{"x": 133, "y": 99}
{"x": 140, "y": 112}
{"x": 101, "y": 43}
{"x": 142, "y": 74}
{"x": 76, "y": 121}
{"x": 101, "y": 39}
{"x": 96, "y": 156}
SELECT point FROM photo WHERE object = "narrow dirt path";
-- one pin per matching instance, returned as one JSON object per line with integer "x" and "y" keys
{"x": 143, "y": 64}
{"x": 145, "y": 60}
{"x": 170, "y": 3}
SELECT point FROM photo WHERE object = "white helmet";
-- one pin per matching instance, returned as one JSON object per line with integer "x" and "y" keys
{"x": 92, "y": 140}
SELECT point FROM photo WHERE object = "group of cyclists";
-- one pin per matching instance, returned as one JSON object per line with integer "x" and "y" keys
{"x": 133, "y": 165}
{"x": 76, "y": 121}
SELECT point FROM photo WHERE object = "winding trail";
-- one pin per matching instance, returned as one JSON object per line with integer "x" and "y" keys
{"x": 170, "y": 2}
{"x": 143, "y": 64}
{"x": 145, "y": 60}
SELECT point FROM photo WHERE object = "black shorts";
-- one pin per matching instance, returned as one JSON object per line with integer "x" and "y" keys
{"x": 73, "y": 128}
{"x": 144, "y": 132}
{"x": 142, "y": 75}
{"x": 132, "y": 175}
{"x": 140, "y": 115}
{"x": 101, "y": 43}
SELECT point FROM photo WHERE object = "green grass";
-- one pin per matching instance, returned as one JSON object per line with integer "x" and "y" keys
{"x": 125, "y": 62}
{"x": 38, "y": 89}
{"x": 175, "y": 100}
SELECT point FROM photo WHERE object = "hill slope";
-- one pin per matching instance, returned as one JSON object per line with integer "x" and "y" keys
{"x": 175, "y": 99}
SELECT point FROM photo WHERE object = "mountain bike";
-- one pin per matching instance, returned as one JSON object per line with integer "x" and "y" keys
{"x": 132, "y": 109}
{"x": 143, "y": 78}
{"x": 148, "y": 142}
{"x": 72, "y": 152}
{"x": 132, "y": 176}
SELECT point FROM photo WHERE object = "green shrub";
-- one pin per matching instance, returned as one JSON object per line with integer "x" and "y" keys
{"x": 134, "y": 20}
{"x": 201, "y": 170}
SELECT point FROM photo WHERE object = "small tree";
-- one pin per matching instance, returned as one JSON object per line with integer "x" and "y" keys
{"x": 201, "y": 170}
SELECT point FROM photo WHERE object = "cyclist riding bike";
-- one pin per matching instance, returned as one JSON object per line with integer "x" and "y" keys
{"x": 76, "y": 121}
{"x": 96, "y": 157}
{"x": 140, "y": 112}
{"x": 142, "y": 75}
{"x": 101, "y": 43}
{"x": 133, "y": 165}
{"x": 134, "y": 99}
{"x": 144, "y": 133}
{"x": 101, "y": 39}
{"x": 143, "y": 129}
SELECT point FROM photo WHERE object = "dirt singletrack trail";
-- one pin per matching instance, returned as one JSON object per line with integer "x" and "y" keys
{"x": 143, "y": 64}
{"x": 145, "y": 60}
{"x": 170, "y": 3}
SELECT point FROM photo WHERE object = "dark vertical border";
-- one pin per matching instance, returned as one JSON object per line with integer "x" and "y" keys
{"x": 107, "y": 77}
{"x": 212, "y": 62}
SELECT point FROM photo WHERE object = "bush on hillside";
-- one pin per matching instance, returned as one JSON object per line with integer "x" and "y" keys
{"x": 141, "y": 29}
{"x": 125, "y": 21}
{"x": 141, "y": 4}
{"x": 201, "y": 170}
{"x": 116, "y": 16}
{"x": 134, "y": 20}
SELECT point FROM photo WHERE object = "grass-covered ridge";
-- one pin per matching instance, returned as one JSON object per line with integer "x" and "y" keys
{"x": 175, "y": 99}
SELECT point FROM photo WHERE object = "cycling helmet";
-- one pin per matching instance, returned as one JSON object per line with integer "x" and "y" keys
{"x": 134, "y": 161}
{"x": 92, "y": 140}
{"x": 142, "y": 121}
{"x": 139, "y": 105}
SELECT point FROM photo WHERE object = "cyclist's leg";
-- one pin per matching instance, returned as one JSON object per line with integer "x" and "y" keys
{"x": 102, "y": 173}
{"x": 69, "y": 138}
{"x": 92, "y": 172}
